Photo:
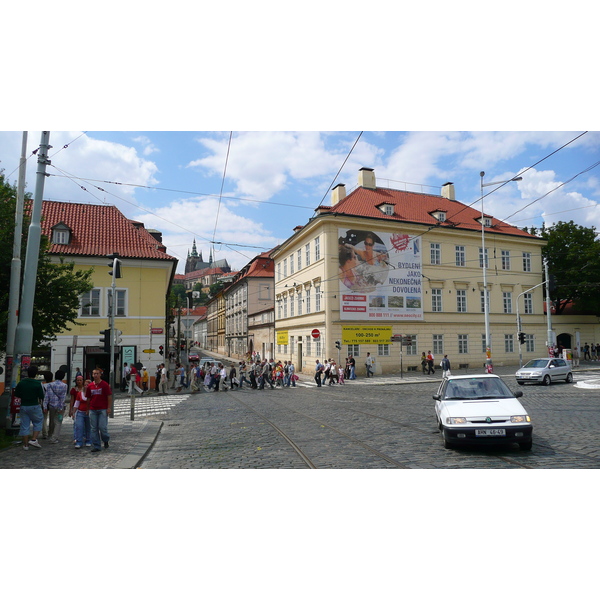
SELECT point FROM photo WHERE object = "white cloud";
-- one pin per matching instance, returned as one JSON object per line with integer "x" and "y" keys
{"x": 148, "y": 146}
{"x": 183, "y": 220}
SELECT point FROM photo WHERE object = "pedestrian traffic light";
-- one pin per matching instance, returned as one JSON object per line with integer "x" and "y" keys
{"x": 338, "y": 345}
{"x": 521, "y": 337}
{"x": 105, "y": 339}
{"x": 118, "y": 338}
{"x": 115, "y": 263}
{"x": 161, "y": 350}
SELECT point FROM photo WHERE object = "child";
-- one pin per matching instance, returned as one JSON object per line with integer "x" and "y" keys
{"x": 340, "y": 374}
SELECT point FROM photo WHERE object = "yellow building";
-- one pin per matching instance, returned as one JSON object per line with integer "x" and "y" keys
{"x": 86, "y": 234}
{"x": 380, "y": 262}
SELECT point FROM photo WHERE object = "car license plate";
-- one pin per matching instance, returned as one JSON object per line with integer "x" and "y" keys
{"x": 490, "y": 432}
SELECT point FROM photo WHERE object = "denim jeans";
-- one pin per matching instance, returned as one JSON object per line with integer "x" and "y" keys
{"x": 99, "y": 427}
{"x": 82, "y": 428}
{"x": 30, "y": 415}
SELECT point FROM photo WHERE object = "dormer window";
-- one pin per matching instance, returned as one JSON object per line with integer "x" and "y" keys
{"x": 486, "y": 221}
{"x": 387, "y": 209}
{"x": 439, "y": 215}
{"x": 61, "y": 234}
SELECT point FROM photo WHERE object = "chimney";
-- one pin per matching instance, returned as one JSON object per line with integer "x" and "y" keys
{"x": 338, "y": 193}
{"x": 366, "y": 178}
{"x": 448, "y": 191}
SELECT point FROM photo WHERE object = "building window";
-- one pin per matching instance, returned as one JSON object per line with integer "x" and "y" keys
{"x": 299, "y": 253}
{"x": 461, "y": 300}
{"x": 460, "y": 256}
{"x": 463, "y": 343}
{"x": 307, "y": 254}
{"x": 436, "y": 300}
{"x": 308, "y": 301}
{"x": 528, "y": 300}
{"x": 60, "y": 236}
{"x": 120, "y": 302}
{"x": 264, "y": 291}
{"x": 279, "y": 309}
{"x": 307, "y": 346}
{"x": 299, "y": 296}
{"x": 529, "y": 344}
{"x": 317, "y": 298}
{"x": 317, "y": 248}
{"x": 483, "y": 301}
{"x": 90, "y": 303}
{"x": 291, "y": 264}
{"x": 526, "y": 261}
{"x": 383, "y": 349}
{"x": 487, "y": 260}
{"x": 291, "y": 306}
{"x": 505, "y": 254}
{"x": 509, "y": 343}
{"x": 411, "y": 350}
{"x": 292, "y": 345}
{"x": 438, "y": 344}
{"x": 318, "y": 348}
{"x": 353, "y": 349}
{"x": 507, "y": 300}
{"x": 279, "y": 271}
{"x": 436, "y": 254}
{"x": 285, "y": 304}
{"x": 284, "y": 268}
{"x": 483, "y": 345}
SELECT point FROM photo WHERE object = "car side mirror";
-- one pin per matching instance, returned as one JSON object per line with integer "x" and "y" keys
{"x": 518, "y": 394}
{"x": 436, "y": 396}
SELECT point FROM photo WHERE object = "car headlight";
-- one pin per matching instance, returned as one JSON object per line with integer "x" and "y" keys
{"x": 455, "y": 420}
{"x": 520, "y": 419}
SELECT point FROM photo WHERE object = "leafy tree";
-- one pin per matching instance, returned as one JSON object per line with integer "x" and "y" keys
{"x": 58, "y": 285}
{"x": 573, "y": 254}
{"x": 203, "y": 298}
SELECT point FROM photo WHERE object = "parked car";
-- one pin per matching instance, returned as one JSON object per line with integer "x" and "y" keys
{"x": 545, "y": 371}
{"x": 481, "y": 409}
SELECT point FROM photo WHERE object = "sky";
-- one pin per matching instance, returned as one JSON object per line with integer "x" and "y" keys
{"x": 241, "y": 193}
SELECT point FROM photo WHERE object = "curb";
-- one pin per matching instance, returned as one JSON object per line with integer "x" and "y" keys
{"x": 141, "y": 449}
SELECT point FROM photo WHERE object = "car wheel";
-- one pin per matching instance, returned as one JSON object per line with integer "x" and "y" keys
{"x": 521, "y": 382}
{"x": 569, "y": 378}
{"x": 526, "y": 445}
{"x": 546, "y": 380}
{"x": 448, "y": 445}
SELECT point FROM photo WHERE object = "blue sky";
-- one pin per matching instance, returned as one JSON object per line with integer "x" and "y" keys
{"x": 274, "y": 179}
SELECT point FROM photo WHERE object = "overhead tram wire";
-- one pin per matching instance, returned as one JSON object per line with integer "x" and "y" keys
{"x": 222, "y": 185}
{"x": 232, "y": 246}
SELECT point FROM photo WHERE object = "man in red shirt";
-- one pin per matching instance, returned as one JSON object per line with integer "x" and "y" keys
{"x": 99, "y": 395}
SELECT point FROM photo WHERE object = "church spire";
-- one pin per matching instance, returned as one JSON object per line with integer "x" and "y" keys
{"x": 194, "y": 251}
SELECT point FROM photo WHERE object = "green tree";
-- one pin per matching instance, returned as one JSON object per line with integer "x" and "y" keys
{"x": 573, "y": 254}
{"x": 58, "y": 285}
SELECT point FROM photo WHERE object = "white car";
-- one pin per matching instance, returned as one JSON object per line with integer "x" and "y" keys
{"x": 481, "y": 409}
{"x": 545, "y": 371}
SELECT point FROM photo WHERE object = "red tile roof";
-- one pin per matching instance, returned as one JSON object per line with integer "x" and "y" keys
{"x": 98, "y": 230}
{"x": 416, "y": 207}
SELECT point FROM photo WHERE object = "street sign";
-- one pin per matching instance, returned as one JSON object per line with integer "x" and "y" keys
{"x": 396, "y": 338}
{"x": 316, "y": 334}
{"x": 157, "y": 330}
{"x": 149, "y": 351}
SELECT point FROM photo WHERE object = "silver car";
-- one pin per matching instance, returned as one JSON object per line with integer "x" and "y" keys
{"x": 545, "y": 371}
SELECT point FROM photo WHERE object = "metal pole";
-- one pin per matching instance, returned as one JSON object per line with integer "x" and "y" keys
{"x": 519, "y": 324}
{"x": 549, "y": 336}
{"x": 15, "y": 283}
{"x": 486, "y": 308}
{"x": 24, "y": 334}
{"x": 111, "y": 324}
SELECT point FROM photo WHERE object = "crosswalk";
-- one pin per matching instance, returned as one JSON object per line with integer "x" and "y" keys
{"x": 146, "y": 405}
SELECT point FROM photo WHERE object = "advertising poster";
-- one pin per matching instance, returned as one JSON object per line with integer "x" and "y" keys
{"x": 380, "y": 276}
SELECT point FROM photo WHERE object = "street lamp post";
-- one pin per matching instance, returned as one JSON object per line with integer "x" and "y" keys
{"x": 489, "y": 365}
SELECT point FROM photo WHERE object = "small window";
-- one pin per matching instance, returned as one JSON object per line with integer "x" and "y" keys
{"x": 60, "y": 236}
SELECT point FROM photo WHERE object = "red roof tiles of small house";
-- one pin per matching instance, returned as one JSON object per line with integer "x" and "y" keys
{"x": 98, "y": 230}
{"x": 416, "y": 207}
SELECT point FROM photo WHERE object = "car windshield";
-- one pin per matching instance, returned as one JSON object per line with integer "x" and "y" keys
{"x": 538, "y": 363}
{"x": 476, "y": 388}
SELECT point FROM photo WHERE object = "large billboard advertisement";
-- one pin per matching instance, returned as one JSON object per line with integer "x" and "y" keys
{"x": 380, "y": 276}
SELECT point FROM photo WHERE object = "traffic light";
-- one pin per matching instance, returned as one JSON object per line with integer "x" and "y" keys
{"x": 521, "y": 337}
{"x": 161, "y": 350}
{"x": 115, "y": 263}
{"x": 338, "y": 345}
{"x": 105, "y": 340}
{"x": 182, "y": 346}
{"x": 118, "y": 339}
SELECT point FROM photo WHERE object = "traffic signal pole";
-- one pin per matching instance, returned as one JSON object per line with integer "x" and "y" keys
{"x": 520, "y": 334}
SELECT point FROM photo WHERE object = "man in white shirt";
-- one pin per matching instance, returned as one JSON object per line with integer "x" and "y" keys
{"x": 370, "y": 364}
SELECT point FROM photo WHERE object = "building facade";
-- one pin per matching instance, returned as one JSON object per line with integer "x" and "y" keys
{"x": 381, "y": 262}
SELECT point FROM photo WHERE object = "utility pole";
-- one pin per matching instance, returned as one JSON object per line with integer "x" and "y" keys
{"x": 15, "y": 284}
{"x": 549, "y": 336}
{"x": 24, "y": 333}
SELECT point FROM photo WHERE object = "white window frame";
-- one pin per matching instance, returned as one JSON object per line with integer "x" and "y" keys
{"x": 317, "y": 298}
{"x": 507, "y": 302}
{"x": 460, "y": 256}
{"x": 505, "y": 259}
{"x": 436, "y": 300}
{"x": 307, "y": 301}
{"x": 463, "y": 343}
{"x": 438, "y": 344}
{"x": 88, "y": 298}
{"x": 307, "y": 254}
{"x": 354, "y": 350}
{"x": 292, "y": 264}
{"x": 383, "y": 349}
{"x": 317, "y": 248}
{"x": 461, "y": 301}
{"x": 299, "y": 255}
{"x": 528, "y": 302}
{"x": 527, "y": 262}
{"x": 509, "y": 343}
{"x": 529, "y": 342}
{"x": 487, "y": 258}
{"x": 435, "y": 253}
